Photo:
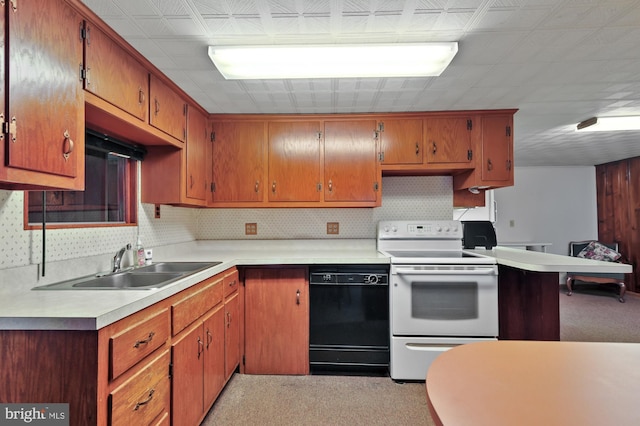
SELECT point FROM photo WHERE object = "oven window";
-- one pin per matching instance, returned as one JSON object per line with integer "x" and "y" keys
{"x": 444, "y": 301}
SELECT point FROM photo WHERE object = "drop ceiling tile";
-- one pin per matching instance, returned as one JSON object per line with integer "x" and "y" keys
{"x": 138, "y": 8}
{"x": 186, "y": 26}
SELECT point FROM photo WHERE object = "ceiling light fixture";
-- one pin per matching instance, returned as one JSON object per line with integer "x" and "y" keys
{"x": 332, "y": 61}
{"x": 609, "y": 124}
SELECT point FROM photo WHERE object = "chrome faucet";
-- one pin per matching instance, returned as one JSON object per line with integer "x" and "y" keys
{"x": 117, "y": 259}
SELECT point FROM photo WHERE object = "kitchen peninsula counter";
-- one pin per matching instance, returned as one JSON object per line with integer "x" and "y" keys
{"x": 24, "y": 309}
{"x": 528, "y": 290}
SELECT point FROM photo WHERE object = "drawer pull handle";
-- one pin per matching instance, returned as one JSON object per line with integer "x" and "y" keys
{"x": 146, "y": 401}
{"x": 145, "y": 341}
{"x": 298, "y": 297}
{"x": 232, "y": 283}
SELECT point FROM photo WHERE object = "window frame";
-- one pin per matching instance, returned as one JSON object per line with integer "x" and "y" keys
{"x": 130, "y": 212}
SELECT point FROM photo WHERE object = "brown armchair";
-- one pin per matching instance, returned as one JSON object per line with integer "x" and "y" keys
{"x": 576, "y": 247}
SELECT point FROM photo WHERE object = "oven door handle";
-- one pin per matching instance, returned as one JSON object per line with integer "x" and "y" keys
{"x": 475, "y": 271}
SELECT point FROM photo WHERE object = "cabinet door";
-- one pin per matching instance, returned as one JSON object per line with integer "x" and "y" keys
{"x": 276, "y": 321}
{"x": 45, "y": 110}
{"x": 351, "y": 171}
{"x": 294, "y": 161}
{"x": 167, "y": 109}
{"x": 497, "y": 148}
{"x": 237, "y": 161}
{"x": 448, "y": 140}
{"x": 187, "y": 358}
{"x": 401, "y": 141}
{"x": 114, "y": 75}
{"x": 232, "y": 334}
{"x": 214, "y": 351}
{"x": 196, "y": 147}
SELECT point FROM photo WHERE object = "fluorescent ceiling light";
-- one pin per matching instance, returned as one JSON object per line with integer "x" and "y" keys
{"x": 332, "y": 61}
{"x": 609, "y": 124}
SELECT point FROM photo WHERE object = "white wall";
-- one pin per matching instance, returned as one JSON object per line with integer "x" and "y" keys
{"x": 549, "y": 205}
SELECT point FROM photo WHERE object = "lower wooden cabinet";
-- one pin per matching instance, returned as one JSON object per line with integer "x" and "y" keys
{"x": 276, "y": 321}
{"x": 165, "y": 364}
{"x": 198, "y": 367}
{"x": 232, "y": 322}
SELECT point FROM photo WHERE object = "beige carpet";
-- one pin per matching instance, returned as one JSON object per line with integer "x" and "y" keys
{"x": 319, "y": 400}
{"x": 593, "y": 314}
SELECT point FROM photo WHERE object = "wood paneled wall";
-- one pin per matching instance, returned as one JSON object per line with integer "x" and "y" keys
{"x": 618, "y": 188}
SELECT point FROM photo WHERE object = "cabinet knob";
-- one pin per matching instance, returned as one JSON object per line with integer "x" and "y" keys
{"x": 273, "y": 187}
{"x": 435, "y": 147}
{"x": 257, "y": 188}
{"x": 298, "y": 297}
{"x": 489, "y": 164}
{"x": 417, "y": 148}
{"x": 330, "y": 185}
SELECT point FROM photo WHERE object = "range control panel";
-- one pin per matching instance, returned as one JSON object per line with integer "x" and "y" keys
{"x": 432, "y": 229}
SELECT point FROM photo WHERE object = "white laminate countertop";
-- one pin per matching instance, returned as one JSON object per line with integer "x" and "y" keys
{"x": 546, "y": 262}
{"x": 24, "y": 309}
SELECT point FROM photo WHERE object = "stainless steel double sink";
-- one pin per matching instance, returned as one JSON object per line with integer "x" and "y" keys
{"x": 147, "y": 277}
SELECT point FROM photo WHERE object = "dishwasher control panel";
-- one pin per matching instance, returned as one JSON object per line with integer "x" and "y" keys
{"x": 354, "y": 278}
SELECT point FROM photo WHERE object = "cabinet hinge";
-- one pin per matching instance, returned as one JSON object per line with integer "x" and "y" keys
{"x": 14, "y": 5}
{"x": 213, "y": 136}
{"x": 470, "y": 154}
{"x": 83, "y": 73}
{"x": 508, "y": 131}
{"x": 319, "y": 135}
{"x": 213, "y": 187}
{"x": 184, "y": 134}
{"x": 243, "y": 360}
{"x": 381, "y": 126}
{"x": 83, "y": 33}
{"x": 184, "y": 109}
{"x": 170, "y": 370}
{"x": 375, "y": 186}
{"x": 469, "y": 124}
{"x": 381, "y": 156}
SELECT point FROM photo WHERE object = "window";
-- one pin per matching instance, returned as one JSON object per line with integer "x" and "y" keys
{"x": 110, "y": 195}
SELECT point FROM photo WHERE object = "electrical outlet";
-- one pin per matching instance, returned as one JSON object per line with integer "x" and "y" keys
{"x": 251, "y": 229}
{"x": 157, "y": 211}
{"x": 333, "y": 228}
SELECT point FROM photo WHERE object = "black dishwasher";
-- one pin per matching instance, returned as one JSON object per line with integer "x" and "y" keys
{"x": 349, "y": 320}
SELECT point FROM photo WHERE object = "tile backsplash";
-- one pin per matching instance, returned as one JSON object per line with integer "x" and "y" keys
{"x": 403, "y": 198}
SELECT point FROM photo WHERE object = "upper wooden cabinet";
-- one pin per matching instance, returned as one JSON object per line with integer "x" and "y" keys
{"x": 294, "y": 161}
{"x": 114, "y": 75}
{"x": 448, "y": 140}
{"x": 401, "y": 141}
{"x": 168, "y": 110}
{"x": 43, "y": 110}
{"x": 493, "y": 167}
{"x": 351, "y": 172}
{"x": 237, "y": 161}
{"x": 198, "y": 136}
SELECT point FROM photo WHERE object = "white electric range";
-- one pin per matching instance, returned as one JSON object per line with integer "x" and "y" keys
{"x": 440, "y": 296}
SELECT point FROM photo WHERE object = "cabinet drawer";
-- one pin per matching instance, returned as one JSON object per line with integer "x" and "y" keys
{"x": 230, "y": 283}
{"x": 145, "y": 396}
{"x": 187, "y": 310}
{"x": 137, "y": 341}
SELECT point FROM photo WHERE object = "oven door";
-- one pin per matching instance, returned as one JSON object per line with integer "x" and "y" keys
{"x": 444, "y": 300}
